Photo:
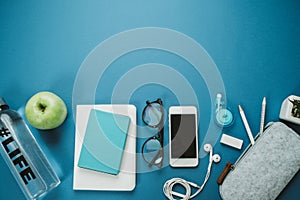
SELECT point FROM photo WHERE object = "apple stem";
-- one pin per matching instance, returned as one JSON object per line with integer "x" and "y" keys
{"x": 42, "y": 107}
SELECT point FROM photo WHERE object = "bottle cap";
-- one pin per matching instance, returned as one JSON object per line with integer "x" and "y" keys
{"x": 3, "y": 104}
{"x": 224, "y": 118}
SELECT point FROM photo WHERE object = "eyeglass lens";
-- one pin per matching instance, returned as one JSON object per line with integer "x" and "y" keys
{"x": 152, "y": 151}
{"x": 153, "y": 114}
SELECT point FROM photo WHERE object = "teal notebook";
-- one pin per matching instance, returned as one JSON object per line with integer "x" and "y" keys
{"x": 104, "y": 142}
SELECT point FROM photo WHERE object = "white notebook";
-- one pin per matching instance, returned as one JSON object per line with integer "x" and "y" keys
{"x": 85, "y": 179}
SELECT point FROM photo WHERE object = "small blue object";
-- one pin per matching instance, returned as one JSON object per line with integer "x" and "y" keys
{"x": 104, "y": 142}
{"x": 224, "y": 118}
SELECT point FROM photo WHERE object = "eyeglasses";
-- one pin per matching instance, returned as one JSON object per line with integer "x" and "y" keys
{"x": 152, "y": 149}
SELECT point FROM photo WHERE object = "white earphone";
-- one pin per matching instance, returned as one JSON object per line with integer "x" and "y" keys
{"x": 168, "y": 186}
{"x": 216, "y": 157}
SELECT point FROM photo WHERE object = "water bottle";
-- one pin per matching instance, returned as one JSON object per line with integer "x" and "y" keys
{"x": 223, "y": 115}
{"x": 23, "y": 155}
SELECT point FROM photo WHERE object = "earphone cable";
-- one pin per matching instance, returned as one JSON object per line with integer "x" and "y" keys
{"x": 168, "y": 186}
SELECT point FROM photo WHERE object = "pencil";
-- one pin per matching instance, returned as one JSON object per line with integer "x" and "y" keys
{"x": 262, "y": 116}
{"x": 248, "y": 130}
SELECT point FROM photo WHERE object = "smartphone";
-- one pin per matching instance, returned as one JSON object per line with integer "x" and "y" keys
{"x": 183, "y": 135}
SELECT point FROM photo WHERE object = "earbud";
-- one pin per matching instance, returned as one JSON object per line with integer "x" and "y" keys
{"x": 207, "y": 148}
{"x": 216, "y": 157}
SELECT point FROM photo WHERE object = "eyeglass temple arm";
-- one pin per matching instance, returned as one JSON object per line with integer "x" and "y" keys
{"x": 161, "y": 134}
{"x": 160, "y": 152}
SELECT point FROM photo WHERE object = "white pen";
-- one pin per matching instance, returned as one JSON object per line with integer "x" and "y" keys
{"x": 262, "y": 116}
{"x": 248, "y": 130}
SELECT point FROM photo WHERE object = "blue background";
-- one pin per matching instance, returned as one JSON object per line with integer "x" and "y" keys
{"x": 254, "y": 43}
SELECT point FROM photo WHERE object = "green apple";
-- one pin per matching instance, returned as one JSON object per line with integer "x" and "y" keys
{"x": 45, "y": 110}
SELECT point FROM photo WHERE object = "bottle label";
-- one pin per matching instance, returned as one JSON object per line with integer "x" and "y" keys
{"x": 15, "y": 155}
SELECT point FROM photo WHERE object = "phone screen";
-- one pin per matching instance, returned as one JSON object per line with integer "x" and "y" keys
{"x": 183, "y": 136}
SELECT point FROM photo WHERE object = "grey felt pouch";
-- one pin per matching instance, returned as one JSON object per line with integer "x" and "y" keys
{"x": 265, "y": 168}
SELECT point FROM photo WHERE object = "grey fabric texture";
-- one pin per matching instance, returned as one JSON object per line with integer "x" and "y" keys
{"x": 265, "y": 168}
